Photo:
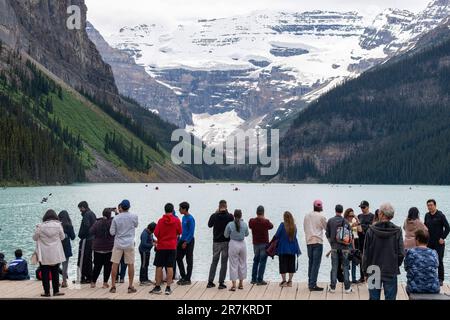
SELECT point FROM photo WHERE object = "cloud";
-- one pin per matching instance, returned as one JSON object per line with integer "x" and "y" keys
{"x": 109, "y": 15}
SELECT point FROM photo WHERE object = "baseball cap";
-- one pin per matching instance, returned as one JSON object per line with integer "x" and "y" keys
{"x": 318, "y": 204}
{"x": 125, "y": 204}
{"x": 364, "y": 203}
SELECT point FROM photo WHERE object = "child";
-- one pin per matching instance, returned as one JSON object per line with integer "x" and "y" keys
{"x": 145, "y": 247}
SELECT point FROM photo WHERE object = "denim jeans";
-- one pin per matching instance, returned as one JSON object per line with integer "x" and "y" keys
{"x": 354, "y": 267}
{"x": 259, "y": 262}
{"x": 390, "y": 290}
{"x": 315, "y": 258}
{"x": 339, "y": 256}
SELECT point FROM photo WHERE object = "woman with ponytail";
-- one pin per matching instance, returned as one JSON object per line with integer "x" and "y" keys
{"x": 236, "y": 231}
{"x": 287, "y": 248}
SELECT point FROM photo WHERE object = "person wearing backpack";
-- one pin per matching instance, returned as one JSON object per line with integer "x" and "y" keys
{"x": 339, "y": 234}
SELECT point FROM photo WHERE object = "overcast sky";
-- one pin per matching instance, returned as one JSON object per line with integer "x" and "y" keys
{"x": 109, "y": 15}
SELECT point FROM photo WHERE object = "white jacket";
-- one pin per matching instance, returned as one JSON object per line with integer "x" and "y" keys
{"x": 48, "y": 237}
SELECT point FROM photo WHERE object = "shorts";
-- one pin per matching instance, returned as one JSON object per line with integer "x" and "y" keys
{"x": 128, "y": 255}
{"x": 165, "y": 258}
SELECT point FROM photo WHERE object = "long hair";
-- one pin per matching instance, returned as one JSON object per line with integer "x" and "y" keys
{"x": 237, "y": 219}
{"x": 50, "y": 215}
{"x": 289, "y": 225}
{"x": 413, "y": 214}
{"x": 347, "y": 212}
{"x": 64, "y": 217}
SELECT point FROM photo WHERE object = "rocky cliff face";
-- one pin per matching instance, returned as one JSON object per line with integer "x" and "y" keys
{"x": 39, "y": 28}
{"x": 133, "y": 81}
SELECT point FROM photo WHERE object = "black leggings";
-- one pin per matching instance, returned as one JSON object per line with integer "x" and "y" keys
{"x": 54, "y": 271}
{"x": 102, "y": 260}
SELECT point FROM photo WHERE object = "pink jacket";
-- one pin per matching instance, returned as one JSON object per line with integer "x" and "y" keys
{"x": 410, "y": 227}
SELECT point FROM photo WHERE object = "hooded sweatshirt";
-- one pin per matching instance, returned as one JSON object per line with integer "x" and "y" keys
{"x": 410, "y": 227}
{"x": 167, "y": 231}
{"x": 384, "y": 248}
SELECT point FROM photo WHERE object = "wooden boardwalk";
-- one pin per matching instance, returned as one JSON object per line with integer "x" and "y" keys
{"x": 197, "y": 291}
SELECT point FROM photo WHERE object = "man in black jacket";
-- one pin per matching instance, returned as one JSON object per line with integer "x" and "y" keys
{"x": 383, "y": 255}
{"x": 218, "y": 221}
{"x": 365, "y": 219}
{"x": 438, "y": 229}
{"x": 85, "y": 248}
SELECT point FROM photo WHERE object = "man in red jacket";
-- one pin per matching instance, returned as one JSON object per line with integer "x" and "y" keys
{"x": 166, "y": 232}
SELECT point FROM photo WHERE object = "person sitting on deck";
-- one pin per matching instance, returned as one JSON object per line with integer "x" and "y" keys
{"x": 421, "y": 265}
{"x": 17, "y": 268}
{"x": 3, "y": 267}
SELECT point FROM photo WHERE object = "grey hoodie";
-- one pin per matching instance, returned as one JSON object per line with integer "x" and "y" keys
{"x": 383, "y": 247}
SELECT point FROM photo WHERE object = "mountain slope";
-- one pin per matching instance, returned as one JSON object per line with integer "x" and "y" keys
{"x": 116, "y": 147}
{"x": 390, "y": 125}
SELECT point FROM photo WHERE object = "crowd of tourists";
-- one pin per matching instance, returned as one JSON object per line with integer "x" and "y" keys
{"x": 365, "y": 248}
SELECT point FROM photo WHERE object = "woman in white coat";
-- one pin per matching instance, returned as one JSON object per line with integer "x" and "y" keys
{"x": 50, "y": 253}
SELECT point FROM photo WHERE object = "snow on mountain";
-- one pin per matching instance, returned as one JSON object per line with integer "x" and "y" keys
{"x": 229, "y": 71}
{"x": 214, "y": 128}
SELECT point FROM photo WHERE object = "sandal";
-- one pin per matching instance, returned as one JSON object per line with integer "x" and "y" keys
{"x": 105, "y": 286}
{"x": 289, "y": 284}
{"x": 233, "y": 289}
{"x": 112, "y": 290}
{"x": 131, "y": 290}
{"x": 283, "y": 284}
{"x": 241, "y": 287}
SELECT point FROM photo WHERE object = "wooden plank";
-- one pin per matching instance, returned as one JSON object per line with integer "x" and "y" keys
{"x": 299, "y": 291}
{"x": 401, "y": 292}
{"x": 338, "y": 294}
{"x": 320, "y": 295}
{"x": 209, "y": 293}
{"x": 241, "y": 294}
{"x": 445, "y": 289}
{"x": 303, "y": 291}
{"x": 32, "y": 289}
{"x": 273, "y": 291}
{"x": 363, "y": 291}
{"x": 257, "y": 292}
{"x": 181, "y": 291}
{"x": 224, "y": 294}
{"x": 351, "y": 296}
{"x": 289, "y": 293}
{"x": 196, "y": 292}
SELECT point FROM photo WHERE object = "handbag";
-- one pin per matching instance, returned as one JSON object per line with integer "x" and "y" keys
{"x": 271, "y": 249}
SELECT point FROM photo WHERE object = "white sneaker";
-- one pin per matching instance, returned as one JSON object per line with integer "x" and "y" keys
{"x": 349, "y": 291}
{"x": 330, "y": 290}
